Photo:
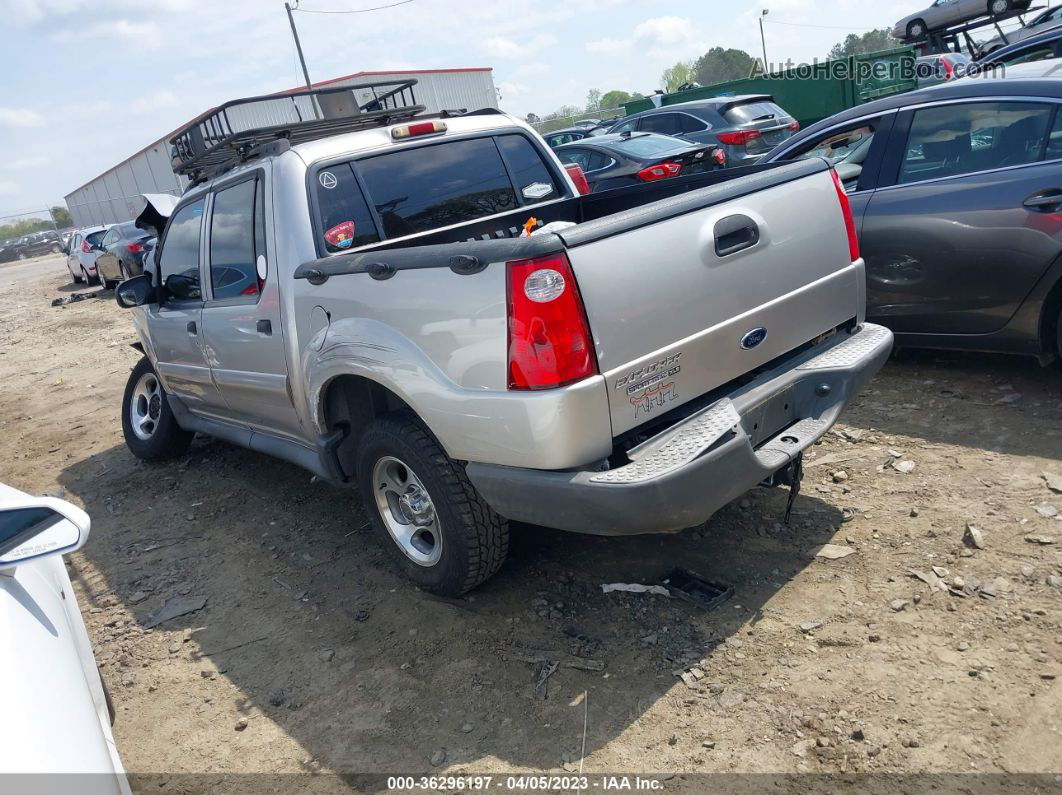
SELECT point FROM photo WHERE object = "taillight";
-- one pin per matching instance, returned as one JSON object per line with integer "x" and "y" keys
{"x": 719, "y": 156}
{"x": 659, "y": 171}
{"x": 739, "y": 138}
{"x": 849, "y": 221}
{"x": 578, "y": 177}
{"x": 793, "y": 126}
{"x": 85, "y": 247}
{"x": 134, "y": 248}
{"x": 420, "y": 128}
{"x": 549, "y": 337}
{"x": 949, "y": 70}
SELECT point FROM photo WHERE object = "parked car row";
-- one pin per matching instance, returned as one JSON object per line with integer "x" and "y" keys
{"x": 34, "y": 245}
{"x": 107, "y": 255}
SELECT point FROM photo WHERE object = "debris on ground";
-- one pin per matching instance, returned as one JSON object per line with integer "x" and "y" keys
{"x": 834, "y": 551}
{"x": 635, "y": 587}
{"x": 1047, "y": 510}
{"x": 1040, "y": 539}
{"x": 176, "y": 607}
{"x": 1054, "y": 482}
{"x": 974, "y": 537}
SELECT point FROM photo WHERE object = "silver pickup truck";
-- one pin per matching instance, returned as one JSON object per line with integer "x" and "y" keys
{"x": 427, "y": 308}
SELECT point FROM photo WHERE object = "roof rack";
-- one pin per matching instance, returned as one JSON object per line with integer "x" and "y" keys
{"x": 232, "y": 133}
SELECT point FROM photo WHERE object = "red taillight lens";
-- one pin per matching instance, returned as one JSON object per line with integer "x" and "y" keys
{"x": 85, "y": 247}
{"x": 739, "y": 138}
{"x": 793, "y": 126}
{"x": 578, "y": 177}
{"x": 659, "y": 171}
{"x": 134, "y": 248}
{"x": 719, "y": 156}
{"x": 549, "y": 337}
{"x": 949, "y": 70}
{"x": 849, "y": 221}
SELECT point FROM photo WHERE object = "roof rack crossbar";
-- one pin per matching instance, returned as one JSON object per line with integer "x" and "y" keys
{"x": 227, "y": 135}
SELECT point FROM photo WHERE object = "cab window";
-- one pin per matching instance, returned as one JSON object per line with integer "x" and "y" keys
{"x": 845, "y": 151}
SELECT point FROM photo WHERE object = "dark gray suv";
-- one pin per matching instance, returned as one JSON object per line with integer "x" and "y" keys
{"x": 746, "y": 127}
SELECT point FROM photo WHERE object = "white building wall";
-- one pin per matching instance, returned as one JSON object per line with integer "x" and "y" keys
{"x": 112, "y": 197}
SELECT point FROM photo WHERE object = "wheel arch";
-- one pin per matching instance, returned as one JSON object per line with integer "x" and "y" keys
{"x": 350, "y": 402}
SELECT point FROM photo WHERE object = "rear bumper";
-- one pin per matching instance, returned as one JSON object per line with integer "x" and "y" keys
{"x": 681, "y": 477}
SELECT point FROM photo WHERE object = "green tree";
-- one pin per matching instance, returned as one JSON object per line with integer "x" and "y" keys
{"x": 677, "y": 75}
{"x": 593, "y": 100}
{"x": 871, "y": 41}
{"x": 532, "y": 118}
{"x": 62, "y": 217}
{"x": 719, "y": 65}
{"x": 614, "y": 99}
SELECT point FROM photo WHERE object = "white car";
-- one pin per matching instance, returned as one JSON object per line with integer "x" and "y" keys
{"x": 82, "y": 251}
{"x": 56, "y": 714}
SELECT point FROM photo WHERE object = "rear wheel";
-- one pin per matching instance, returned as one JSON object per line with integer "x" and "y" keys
{"x": 437, "y": 528}
{"x": 997, "y": 7}
{"x": 88, "y": 279}
{"x": 78, "y": 279}
{"x": 56, "y": 248}
{"x": 916, "y": 29}
{"x": 150, "y": 429}
{"x": 22, "y": 255}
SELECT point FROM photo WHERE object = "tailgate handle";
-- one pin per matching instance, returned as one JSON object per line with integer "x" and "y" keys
{"x": 735, "y": 233}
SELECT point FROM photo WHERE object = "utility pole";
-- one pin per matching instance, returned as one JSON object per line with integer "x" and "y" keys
{"x": 763, "y": 41}
{"x": 302, "y": 60}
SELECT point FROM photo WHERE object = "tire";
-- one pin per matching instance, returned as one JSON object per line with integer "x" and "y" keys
{"x": 997, "y": 7}
{"x": 77, "y": 279}
{"x": 916, "y": 29}
{"x": 458, "y": 542}
{"x": 89, "y": 279}
{"x": 56, "y": 249}
{"x": 150, "y": 429}
{"x": 22, "y": 255}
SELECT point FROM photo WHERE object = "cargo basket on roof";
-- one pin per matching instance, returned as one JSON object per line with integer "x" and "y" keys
{"x": 230, "y": 133}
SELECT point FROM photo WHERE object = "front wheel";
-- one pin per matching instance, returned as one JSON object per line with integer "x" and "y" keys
{"x": 916, "y": 29}
{"x": 150, "y": 429}
{"x": 437, "y": 528}
{"x": 997, "y": 7}
{"x": 56, "y": 248}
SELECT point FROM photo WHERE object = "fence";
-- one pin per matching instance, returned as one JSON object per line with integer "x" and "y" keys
{"x": 559, "y": 123}
{"x": 28, "y": 223}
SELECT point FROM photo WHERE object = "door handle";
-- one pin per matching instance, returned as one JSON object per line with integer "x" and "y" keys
{"x": 192, "y": 328}
{"x": 735, "y": 233}
{"x": 1045, "y": 201}
{"x": 264, "y": 327}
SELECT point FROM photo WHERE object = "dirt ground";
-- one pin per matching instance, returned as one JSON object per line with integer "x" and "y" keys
{"x": 310, "y": 655}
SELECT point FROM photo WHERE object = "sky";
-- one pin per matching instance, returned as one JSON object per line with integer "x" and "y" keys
{"x": 90, "y": 82}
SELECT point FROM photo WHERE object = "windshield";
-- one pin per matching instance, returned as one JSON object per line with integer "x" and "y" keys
{"x": 651, "y": 145}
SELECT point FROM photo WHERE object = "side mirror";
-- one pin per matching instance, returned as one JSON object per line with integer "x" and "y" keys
{"x": 183, "y": 286}
{"x": 37, "y": 527}
{"x": 137, "y": 291}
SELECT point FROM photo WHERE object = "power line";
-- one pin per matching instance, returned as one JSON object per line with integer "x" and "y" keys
{"x": 770, "y": 21}
{"x": 351, "y": 11}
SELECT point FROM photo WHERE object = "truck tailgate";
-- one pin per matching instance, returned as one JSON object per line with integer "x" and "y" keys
{"x": 686, "y": 294}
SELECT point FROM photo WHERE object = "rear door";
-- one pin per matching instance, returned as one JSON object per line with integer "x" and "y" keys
{"x": 670, "y": 301}
{"x": 73, "y": 264}
{"x": 175, "y": 322}
{"x": 243, "y": 334}
{"x": 966, "y": 222}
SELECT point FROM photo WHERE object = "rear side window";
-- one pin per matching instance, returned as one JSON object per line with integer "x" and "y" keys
{"x": 533, "y": 181}
{"x": 688, "y": 123}
{"x": 665, "y": 123}
{"x": 346, "y": 221}
{"x": 94, "y": 238}
{"x": 748, "y": 112}
{"x": 233, "y": 223}
{"x": 949, "y": 140}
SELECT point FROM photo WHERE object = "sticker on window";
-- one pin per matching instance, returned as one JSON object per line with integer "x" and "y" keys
{"x": 536, "y": 190}
{"x": 327, "y": 179}
{"x": 340, "y": 235}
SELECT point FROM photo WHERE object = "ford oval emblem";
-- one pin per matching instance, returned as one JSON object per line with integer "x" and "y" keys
{"x": 753, "y": 338}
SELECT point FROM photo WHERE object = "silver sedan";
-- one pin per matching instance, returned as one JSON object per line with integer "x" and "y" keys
{"x": 944, "y": 13}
